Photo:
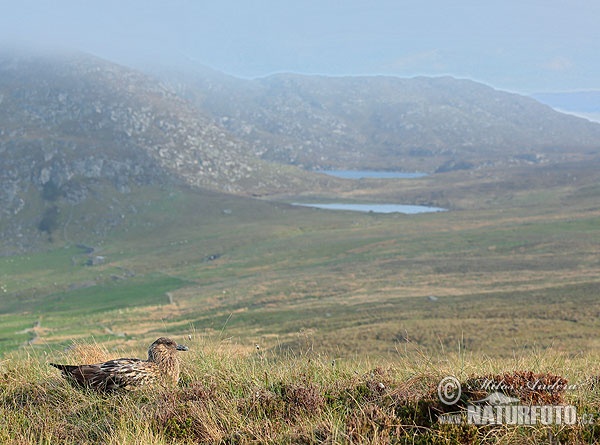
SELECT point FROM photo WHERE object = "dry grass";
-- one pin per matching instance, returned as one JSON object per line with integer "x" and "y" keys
{"x": 225, "y": 396}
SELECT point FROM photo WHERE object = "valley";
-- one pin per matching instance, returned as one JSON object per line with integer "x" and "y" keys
{"x": 134, "y": 204}
{"x": 504, "y": 271}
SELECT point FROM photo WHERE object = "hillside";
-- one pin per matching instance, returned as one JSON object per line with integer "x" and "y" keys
{"x": 74, "y": 127}
{"x": 339, "y": 283}
{"x": 424, "y": 124}
{"x": 73, "y": 107}
{"x": 308, "y": 326}
{"x": 304, "y": 325}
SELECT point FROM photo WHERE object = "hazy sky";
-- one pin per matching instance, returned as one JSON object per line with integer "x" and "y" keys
{"x": 520, "y": 45}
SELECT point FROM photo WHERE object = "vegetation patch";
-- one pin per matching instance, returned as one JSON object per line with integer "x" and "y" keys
{"x": 528, "y": 387}
{"x": 228, "y": 397}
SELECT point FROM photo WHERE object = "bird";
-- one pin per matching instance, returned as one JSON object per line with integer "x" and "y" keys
{"x": 161, "y": 368}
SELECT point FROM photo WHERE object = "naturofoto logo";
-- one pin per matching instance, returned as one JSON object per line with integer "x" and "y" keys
{"x": 499, "y": 408}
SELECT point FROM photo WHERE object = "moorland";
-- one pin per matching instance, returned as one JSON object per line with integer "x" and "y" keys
{"x": 305, "y": 325}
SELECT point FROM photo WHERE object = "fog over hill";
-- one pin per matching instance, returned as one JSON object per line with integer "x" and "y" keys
{"x": 72, "y": 125}
{"x": 426, "y": 124}
{"x": 69, "y": 105}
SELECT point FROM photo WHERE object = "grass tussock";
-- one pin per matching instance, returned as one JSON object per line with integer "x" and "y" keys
{"x": 233, "y": 398}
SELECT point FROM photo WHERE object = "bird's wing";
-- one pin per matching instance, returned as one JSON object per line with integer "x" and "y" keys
{"x": 131, "y": 372}
{"x": 88, "y": 375}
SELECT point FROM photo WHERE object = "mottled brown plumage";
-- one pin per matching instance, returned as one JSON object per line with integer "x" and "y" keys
{"x": 162, "y": 368}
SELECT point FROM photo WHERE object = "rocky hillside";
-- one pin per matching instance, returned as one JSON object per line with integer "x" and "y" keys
{"x": 75, "y": 129}
{"x": 427, "y": 124}
{"x": 68, "y": 119}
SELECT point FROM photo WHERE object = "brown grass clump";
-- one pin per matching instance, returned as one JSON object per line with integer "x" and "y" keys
{"x": 373, "y": 424}
{"x": 529, "y": 387}
{"x": 262, "y": 402}
{"x": 80, "y": 353}
{"x": 287, "y": 400}
{"x": 302, "y": 398}
{"x": 184, "y": 414}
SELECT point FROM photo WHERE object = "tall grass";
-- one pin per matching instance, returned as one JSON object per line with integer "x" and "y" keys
{"x": 228, "y": 396}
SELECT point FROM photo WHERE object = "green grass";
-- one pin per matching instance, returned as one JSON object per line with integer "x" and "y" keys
{"x": 359, "y": 283}
{"x": 139, "y": 291}
{"x": 95, "y": 297}
{"x": 15, "y": 331}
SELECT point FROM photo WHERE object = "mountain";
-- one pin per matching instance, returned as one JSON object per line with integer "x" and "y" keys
{"x": 85, "y": 143}
{"x": 78, "y": 106}
{"x": 426, "y": 124}
{"x": 73, "y": 127}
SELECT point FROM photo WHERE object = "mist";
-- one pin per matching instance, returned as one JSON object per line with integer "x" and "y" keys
{"x": 521, "y": 46}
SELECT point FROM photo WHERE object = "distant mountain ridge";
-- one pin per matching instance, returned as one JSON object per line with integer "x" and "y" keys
{"x": 422, "y": 124}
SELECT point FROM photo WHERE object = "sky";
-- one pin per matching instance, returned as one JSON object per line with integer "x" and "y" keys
{"x": 524, "y": 46}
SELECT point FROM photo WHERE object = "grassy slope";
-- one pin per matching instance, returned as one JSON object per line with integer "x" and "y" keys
{"x": 514, "y": 276}
{"x": 350, "y": 283}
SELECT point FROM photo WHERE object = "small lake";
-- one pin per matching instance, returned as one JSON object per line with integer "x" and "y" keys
{"x": 375, "y": 208}
{"x": 361, "y": 174}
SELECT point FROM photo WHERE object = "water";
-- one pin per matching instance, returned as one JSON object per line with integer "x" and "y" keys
{"x": 360, "y": 174}
{"x": 375, "y": 208}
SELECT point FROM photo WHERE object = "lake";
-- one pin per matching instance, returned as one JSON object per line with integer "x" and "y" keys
{"x": 375, "y": 208}
{"x": 360, "y": 174}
